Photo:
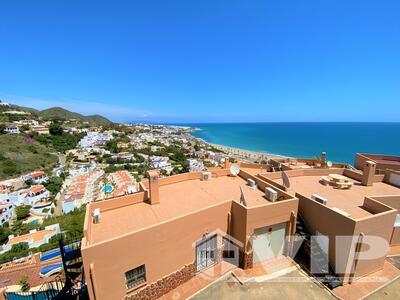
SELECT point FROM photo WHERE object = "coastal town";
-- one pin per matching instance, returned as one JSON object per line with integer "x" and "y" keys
{"x": 106, "y": 187}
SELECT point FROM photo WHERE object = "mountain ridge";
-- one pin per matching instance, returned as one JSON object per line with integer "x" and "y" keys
{"x": 58, "y": 112}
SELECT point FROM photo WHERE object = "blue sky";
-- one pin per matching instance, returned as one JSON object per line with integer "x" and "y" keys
{"x": 204, "y": 61}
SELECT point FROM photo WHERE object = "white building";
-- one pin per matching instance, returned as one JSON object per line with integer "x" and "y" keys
{"x": 11, "y": 129}
{"x": 81, "y": 189}
{"x": 37, "y": 177}
{"x": 7, "y": 211}
{"x": 195, "y": 165}
{"x": 93, "y": 139}
{"x": 27, "y": 122}
{"x": 34, "y": 238}
{"x": 30, "y": 196}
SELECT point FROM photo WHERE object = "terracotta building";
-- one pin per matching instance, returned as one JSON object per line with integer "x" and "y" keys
{"x": 145, "y": 244}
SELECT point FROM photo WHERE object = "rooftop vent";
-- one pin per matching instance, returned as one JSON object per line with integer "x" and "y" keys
{"x": 271, "y": 194}
{"x": 96, "y": 216}
{"x": 251, "y": 183}
{"x": 319, "y": 199}
{"x": 206, "y": 176}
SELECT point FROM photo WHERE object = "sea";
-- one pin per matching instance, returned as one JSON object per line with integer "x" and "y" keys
{"x": 341, "y": 141}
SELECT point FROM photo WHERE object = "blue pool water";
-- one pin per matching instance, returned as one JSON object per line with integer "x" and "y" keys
{"x": 50, "y": 255}
{"x": 47, "y": 269}
{"x": 53, "y": 253}
{"x": 340, "y": 140}
{"x": 107, "y": 188}
{"x": 34, "y": 222}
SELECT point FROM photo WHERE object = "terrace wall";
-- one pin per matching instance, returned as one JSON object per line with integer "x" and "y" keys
{"x": 378, "y": 225}
{"x": 163, "y": 248}
{"x": 168, "y": 246}
{"x": 333, "y": 224}
{"x": 262, "y": 185}
{"x": 330, "y": 223}
{"x": 361, "y": 158}
{"x": 394, "y": 202}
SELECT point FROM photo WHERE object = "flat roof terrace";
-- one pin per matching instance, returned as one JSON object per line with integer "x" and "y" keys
{"x": 348, "y": 200}
{"x": 176, "y": 199}
{"x": 255, "y": 171}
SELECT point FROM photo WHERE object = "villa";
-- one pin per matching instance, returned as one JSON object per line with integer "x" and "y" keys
{"x": 29, "y": 196}
{"x": 34, "y": 238}
{"x": 38, "y": 177}
{"x": 196, "y": 219}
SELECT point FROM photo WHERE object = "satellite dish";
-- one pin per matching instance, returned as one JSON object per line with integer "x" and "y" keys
{"x": 235, "y": 169}
{"x": 329, "y": 164}
{"x": 285, "y": 180}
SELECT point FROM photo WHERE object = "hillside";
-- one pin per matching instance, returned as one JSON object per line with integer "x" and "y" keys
{"x": 57, "y": 113}
{"x": 61, "y": 113}
{"x": 19, "y": 156}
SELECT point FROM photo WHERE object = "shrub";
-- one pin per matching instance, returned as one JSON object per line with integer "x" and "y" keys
{"x": 23, "y": 282}
{"x": 22, "y": 211}
{"x": 9, "y": 167}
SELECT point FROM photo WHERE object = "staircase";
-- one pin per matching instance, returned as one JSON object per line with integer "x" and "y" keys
{"x": 72, "y": 287}
{"x": 320, "y": 261}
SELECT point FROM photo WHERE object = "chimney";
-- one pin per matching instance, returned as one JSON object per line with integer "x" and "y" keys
{"x": 227, "y": 163}
{"x": 323, "y": 159}
{"x": 153, "y": 186}
{"x": 368, "y": 173}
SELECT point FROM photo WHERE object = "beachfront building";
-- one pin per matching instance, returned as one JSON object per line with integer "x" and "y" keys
{"x": 34, "y": 238}
{"x": 176, "y": 226}
{"x": 81, "y": 189}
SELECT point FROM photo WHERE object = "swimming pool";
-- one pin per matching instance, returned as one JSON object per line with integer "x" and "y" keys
{"x": 53, "y": 253}
{"x": 34, "y": 222}
{"x": 50, "y": 255}
{"x": 50, "y": 269}
{"x": 108, "y": 189}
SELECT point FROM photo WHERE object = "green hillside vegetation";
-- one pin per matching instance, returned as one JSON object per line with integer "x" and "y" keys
{"x": 71, "y": 224}
{"x": 63, "y": 114}
{"x": 19, "y": 156}
{"x": 54, "y": 113}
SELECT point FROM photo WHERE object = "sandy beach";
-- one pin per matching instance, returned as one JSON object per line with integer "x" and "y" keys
{"x": 240, "y": 154}
{"x": 246, "y": 155}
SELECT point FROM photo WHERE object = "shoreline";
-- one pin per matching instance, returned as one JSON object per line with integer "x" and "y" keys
{"x": 239, "y": 153}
